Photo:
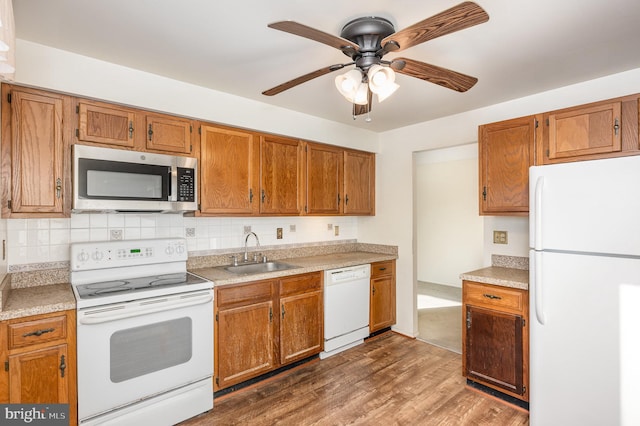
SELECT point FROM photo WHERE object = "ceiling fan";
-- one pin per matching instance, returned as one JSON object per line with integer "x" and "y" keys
{"x": 368, "y": 39}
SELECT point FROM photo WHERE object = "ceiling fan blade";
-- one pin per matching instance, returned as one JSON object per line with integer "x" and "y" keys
{"x": 457, "y": 18}
{"x": 303, "y": 78}
{"x": 316, "y": 35}
{"x": 363, "y": 109}
{"x": 437, "y": 75}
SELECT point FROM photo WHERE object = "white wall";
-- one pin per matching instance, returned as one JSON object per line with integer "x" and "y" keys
{"x": 54, "y": 69}
{"x": 449, "y": 231}
{"x": 394, "y": 222}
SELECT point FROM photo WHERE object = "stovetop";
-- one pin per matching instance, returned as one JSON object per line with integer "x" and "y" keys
{"x": 109, "y": 272}
{"x": 137, "y": 285}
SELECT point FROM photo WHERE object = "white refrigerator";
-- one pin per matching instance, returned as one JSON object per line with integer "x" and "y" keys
{"x": 584, "y": 293}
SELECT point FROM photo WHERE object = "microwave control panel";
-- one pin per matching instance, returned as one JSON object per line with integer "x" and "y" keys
{"x": 186, "y": 184}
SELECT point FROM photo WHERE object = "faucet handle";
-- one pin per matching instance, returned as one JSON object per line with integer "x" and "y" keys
{"x": 234, "y": 260}
{"x": 256, "y": 256}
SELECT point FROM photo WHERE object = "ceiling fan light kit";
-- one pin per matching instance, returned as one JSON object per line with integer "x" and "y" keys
{"x": 366, "y": 40}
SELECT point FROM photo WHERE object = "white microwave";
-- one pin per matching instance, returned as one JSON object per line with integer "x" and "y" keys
{"x": 107, "y": 179}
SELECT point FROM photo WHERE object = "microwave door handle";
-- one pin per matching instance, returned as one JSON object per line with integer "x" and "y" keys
{"x": 171, "y": 183}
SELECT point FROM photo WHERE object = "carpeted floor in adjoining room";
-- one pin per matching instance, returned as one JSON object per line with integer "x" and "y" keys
{"x": 440, "y": 316}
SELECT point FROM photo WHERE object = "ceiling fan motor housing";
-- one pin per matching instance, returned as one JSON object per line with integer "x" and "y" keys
{"x": 367, "y": 32}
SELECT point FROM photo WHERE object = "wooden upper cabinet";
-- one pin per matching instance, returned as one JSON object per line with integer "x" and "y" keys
{"x": 33, "y": 179}
{"x": 324, "y": 179}
{"x": 281, "y": 183}
{"x": 359, "y": 183}
{"x": 228, "y": 171}
{"x": 506, "y": 151}
{"x": 583, "y": 131}
{"x": 168, "y": 134}
{"x": 105, "y": 123}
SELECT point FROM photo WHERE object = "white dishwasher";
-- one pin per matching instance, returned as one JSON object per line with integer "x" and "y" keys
{"x": 346, "y": 308}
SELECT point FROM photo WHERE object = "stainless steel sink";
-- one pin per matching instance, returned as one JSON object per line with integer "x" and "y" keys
{"x": 259, "y": 268}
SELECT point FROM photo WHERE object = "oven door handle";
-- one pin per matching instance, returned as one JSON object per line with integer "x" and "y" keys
{"x": 106, "y": 316}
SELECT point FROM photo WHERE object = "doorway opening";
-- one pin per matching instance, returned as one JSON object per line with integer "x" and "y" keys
{"x": 449, "y": 239}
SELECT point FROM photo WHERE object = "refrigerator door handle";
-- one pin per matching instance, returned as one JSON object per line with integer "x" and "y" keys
{"x": 537, "y": 287}
{"x": 537, "y": 218}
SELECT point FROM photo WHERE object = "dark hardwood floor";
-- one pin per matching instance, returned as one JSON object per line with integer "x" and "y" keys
{"x": 388, "y": 380}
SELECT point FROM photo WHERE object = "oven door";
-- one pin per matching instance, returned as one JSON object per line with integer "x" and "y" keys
{"x": 132, "y": 351}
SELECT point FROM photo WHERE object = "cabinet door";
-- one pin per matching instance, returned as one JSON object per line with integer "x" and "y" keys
{"x": 301, "y": 318}
{"x": 105, "y": 123}
{"x": 168, "y": 134}
{"x": 228, "y": 170}
{"x": 324, "y": 179}
{"x": 244, "y": 345}
{"x": 280, "y": 176}
{"x": 359, "y": 183}
{"x": 506, "y": 153}
{"x": 36, "y": 152}
{"x": 383, "y": 297}
{"x": 494, "y": 343}
{"x": 583, "y": 131}
{"x": 39, "y": 377}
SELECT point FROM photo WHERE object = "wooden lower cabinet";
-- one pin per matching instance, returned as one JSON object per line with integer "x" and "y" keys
{"x": 495, "y": 349}
{"x": 263, "y": 325}
{"x": 382, "y": 312}
{"x": 39, "y": 353}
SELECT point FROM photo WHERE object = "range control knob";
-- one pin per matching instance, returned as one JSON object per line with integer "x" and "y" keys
{"x": 180, "y": 248}
{"x": 83, "y": 256}
{"x": 97, "y": 255}
{"x": 169, "y": 250}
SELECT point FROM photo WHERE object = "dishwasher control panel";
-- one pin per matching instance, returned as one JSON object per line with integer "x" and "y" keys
{"x": 349, "y": 273}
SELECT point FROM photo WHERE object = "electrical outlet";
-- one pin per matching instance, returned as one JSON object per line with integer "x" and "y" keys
{"x": 329, "y": 226}
{"x": 247, "y": 229}
{"x": 279, "y": 233}
{"x": 500, "y": 237}
{"x": 336, "y": 230}
{"x": 115, "y": 234}
{"x": 190, "y": 232}
{"x": 292, "y": 228}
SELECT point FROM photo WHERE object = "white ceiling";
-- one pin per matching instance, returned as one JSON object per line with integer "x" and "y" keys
{"x": 526, "y": 47}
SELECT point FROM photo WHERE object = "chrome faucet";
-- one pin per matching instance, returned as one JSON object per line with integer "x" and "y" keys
{"x": 246, "y": 239}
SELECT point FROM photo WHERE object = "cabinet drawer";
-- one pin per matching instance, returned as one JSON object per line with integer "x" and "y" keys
{"x": 500, "y": 298}
{"x": 29, "y": 333}
{"x": 381, "y": 269}
{"x": 300, "y": 284}
{"x": 243, "y": 294}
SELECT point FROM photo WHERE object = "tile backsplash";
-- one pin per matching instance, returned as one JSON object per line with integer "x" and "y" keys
{"x": 47, "y": 240}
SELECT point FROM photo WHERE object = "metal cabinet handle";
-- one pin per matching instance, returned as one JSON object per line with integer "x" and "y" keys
{"x": 39, "y": 332}
{"x": 58, "y": 187}
{"x": 492, "y": 296}
{"x": 616, "y": 126}
{"x": 263, "y": 196}
{"x": 130, "y": 129}
{"x": 63, "y": 366}
{"x": 346, "y": 199}
{"x": 250, "y": 195}
{"x": 283, "y": 312}
{"x": 150, "y": 132}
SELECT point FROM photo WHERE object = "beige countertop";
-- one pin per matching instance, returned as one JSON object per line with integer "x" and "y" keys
{"x": 496, "y": 275}
{"x": 304, "y": 265}
{"x": 18, "y": 301}
{"x": 43, "y": 299}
